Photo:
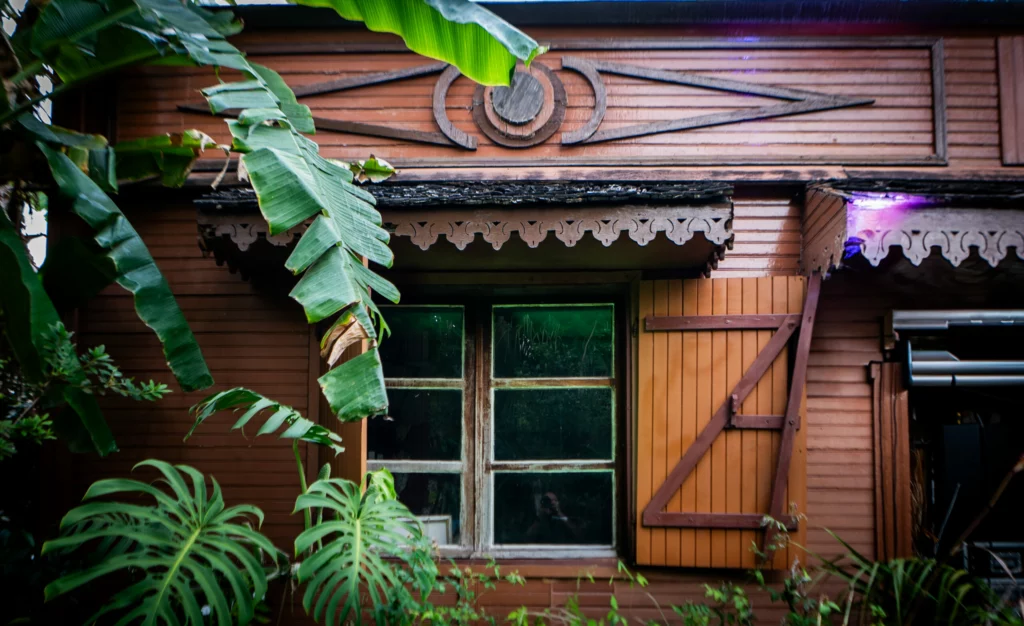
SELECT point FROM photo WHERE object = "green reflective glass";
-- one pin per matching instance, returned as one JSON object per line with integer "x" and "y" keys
{"x": 553, "y": 508}
{"x": 425, "y": 342}
{"x": 436, "y": 499}
{"x": 425, "y": 424}
{"x": 553, "y": 341}
{"x": 552, "y": 424}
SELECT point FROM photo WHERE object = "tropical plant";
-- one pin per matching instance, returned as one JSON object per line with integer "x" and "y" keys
{"x": 360, "y": 529}
{"x": 185, "y": 555}
{"x": 917, "y": 591}
{"x": 70, "y": 44}
{"x": 297, "y": 427}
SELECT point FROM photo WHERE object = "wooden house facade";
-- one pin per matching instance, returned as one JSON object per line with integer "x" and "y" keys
{"x": 677, "y": 278}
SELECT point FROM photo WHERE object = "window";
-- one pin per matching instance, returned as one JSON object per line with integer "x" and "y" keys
{"x": 502, "y": 436}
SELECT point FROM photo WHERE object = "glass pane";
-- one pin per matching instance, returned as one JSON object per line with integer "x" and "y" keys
{"x": 544, "y": 424}
{"x": 425, "y": 342}
{"x": 426, "y": 424}
{"x": 556, "y": 508}
{"x": 437, "y": 500}
{"x": 552, "y": 342}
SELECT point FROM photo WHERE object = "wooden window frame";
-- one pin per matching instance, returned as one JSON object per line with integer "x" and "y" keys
{"x": 477, "y": 467}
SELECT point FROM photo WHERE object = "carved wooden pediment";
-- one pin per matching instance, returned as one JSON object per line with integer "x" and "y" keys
{"x": 839, "y": 223}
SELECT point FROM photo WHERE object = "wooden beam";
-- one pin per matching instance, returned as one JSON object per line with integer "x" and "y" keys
{"x": 718, "y": 322}
{"x": 757, "y": 422}
{"x": 792, "y": 418}
{"x": 365, "y": 80}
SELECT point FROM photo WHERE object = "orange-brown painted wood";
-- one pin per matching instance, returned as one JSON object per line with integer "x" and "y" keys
{"x": 703, "y": 487}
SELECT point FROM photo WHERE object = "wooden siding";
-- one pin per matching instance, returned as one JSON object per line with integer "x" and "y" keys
{"x": 1011, "y": 98}
{"x": 683, "y": 377}
{"x": 766, "y": 238}
{"x": 900, "y": 123}
{"x": 248, "y": 338}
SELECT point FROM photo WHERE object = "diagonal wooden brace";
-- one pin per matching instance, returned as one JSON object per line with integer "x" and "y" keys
{"x": 791, "y": 421}
{"x": 653, "y": 513}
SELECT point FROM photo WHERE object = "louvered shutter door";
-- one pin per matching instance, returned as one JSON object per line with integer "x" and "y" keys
{"x": 683, "y": 377}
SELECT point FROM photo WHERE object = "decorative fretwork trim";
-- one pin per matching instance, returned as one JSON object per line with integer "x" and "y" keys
{"x": 953, "y": 231}
{"x": 679, "y": 224}
{"x": 568, "y": 225}
{"x": 835, "y": 227}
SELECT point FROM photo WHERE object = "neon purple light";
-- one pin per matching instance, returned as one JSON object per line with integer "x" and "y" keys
{"x": 886, "y": 201}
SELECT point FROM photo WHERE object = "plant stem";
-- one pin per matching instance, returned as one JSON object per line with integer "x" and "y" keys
{"x": 308, "y": 518}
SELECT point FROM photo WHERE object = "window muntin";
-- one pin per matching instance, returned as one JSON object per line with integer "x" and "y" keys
{"x": 422, "y": 441}
{"x": 551, "y": 365}
{"x": 541, "y": 471}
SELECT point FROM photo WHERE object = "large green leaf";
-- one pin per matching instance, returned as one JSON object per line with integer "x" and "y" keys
{"x": 28, "y": 319}
{"x": 75, "y": 271}
{"x": 355, "y": 389}
{"x": 194, "y": 554}
{"x": 277, "y": 416}
{"x": 481, "y": 44}
{"x": 28, "y": 313}
{"x": 169, "y": 156}
{"x": 361, "y": 529}
{"x": 136, "y": 270}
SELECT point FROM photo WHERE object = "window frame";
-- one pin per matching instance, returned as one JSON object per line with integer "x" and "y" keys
{"x": 478, "y": 468}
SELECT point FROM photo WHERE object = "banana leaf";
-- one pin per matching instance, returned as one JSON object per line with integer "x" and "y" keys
{"x": 481, "y": 44}
{"x": 136, "y": 270}
{"x": 28, "y": 317}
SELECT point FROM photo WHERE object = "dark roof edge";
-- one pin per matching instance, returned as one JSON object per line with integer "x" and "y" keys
{"x": 959, "y": 14}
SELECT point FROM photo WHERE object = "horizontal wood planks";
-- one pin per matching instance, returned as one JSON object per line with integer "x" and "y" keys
{"x": 767, "y": 238}
{"x": 684, "y": 376}
{"x": 899, "y": 125}
{"x": 248, "y": 338}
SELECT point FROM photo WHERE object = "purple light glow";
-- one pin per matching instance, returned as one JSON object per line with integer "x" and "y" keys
{"x": 885, "y": 201}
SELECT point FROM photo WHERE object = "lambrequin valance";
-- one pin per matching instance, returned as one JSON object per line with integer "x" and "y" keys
{"x": 459, "y": 214}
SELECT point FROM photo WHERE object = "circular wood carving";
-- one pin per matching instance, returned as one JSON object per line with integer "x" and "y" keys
{"x": 537, "y": 97}
{"x": 450, "y": 130}
{"x": 521, "y": 101}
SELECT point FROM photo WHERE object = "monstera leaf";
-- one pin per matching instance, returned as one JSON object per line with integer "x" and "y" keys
{"x": 184, "y": 555}
{"x": 359, "y": 531}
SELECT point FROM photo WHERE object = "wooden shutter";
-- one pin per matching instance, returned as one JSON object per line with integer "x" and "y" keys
{"x": 684, "y": 378}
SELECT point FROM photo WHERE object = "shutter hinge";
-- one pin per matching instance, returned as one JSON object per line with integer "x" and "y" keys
{"x": 635, "y": 328}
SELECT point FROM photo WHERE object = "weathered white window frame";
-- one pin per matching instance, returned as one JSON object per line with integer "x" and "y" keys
{"x": 478, "y": 466}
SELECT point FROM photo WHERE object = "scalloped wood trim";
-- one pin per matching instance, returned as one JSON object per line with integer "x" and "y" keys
{"x": 834, "y": 227}
{"x": 642, "y": 224}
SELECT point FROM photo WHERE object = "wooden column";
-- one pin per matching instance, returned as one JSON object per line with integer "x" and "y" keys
{"x": 1011, "y": 98}
{"x": 893, "y": 534}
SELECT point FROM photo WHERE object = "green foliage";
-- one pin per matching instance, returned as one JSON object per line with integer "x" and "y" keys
{"x": 184, "y": 555}
{"x": 728, "y": 604}
{"x": 350, "y": 548}
{"x": 26, "y": 402}
{"x": 421, "y": 580}
{"x": 277, "y": 416}
{"x": 917, "y": 590}
{"x": 482, "y": 45}
{"x": 136, "y": 271}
